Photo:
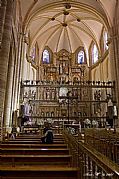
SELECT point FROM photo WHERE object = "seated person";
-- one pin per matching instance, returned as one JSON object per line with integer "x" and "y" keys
{"x": 47, "y": 137}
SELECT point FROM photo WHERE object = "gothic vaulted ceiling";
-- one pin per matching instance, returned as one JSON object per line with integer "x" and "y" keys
{"x": 66, "y": 24}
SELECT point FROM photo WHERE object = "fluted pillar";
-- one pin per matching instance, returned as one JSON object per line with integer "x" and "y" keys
{"x": 2, "y": 18}
{"x": 19, "y": 66}
{"x": 114, "y": 49}
{"x": 4, "y": 57}
{"x": 9, "y": 91}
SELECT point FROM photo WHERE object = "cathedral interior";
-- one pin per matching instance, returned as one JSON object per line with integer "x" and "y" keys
{"x": 59, "y": 63}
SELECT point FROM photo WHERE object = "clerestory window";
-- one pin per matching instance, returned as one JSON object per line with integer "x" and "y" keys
{"x": 105, "y": 40}
{"x": 94, "y": 54}
{"x": 46, "y": 56}
{"x": 80, "y": 58}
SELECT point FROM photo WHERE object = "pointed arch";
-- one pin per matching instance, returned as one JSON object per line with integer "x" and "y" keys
{"x": 47, "y": 55}
{"x": 80, "y": 56}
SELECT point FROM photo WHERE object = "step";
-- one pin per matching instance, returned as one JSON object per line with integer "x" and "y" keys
{"x": 31, "y": 142}
{"x": 36, "y": 159}
{"x": 36, "y": 151}
{"x": 33, "y": 139}
{"x": 37, "y": 137}
{"x": 42, "y": 172}
{"x": 29, "y": 137}
{"x": 40, "y": 145}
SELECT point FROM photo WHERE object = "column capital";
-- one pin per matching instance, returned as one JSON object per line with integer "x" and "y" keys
{"x": 3, "y": 2}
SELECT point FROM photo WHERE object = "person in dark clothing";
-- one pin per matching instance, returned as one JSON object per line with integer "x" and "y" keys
{"x": 47, "y": 137}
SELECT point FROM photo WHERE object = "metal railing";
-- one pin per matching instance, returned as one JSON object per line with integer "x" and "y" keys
{"x": 91, "y": 163}
{"x": 105, "y": 141}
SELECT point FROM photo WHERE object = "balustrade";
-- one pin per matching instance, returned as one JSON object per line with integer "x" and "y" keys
{"x": 105, "y": 141}
{"x": 91, "y": 163}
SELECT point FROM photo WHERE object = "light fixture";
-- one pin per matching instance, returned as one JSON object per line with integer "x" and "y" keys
{"x": 53, "y": 18}
{"x": 78, "y": 20}
{"x": 66, "y": 12}
{"x": 67, "y": 5}
{"x": 64, "y": 24}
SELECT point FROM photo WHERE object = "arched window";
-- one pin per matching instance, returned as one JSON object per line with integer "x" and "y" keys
{"x": 105, "y": 38}
{"x": 94, "y": 54}
{"x": 80, "y": 57}
{"x": 33, "y": 53}
{"x": 46, "y": 56}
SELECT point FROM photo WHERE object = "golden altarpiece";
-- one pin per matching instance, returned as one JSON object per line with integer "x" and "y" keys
{"x": 64, "y": 94}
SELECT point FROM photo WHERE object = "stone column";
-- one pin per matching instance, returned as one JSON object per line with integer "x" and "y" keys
{"x": 2, "y": 18}
{"x": 4, "y": 57}
{"x": 114, "y": 51}
{"x": 9, "y": 90}
{"x": 19, "y": 57}
{"x": 13, "y": 82}
{"x": 17, "y": 74}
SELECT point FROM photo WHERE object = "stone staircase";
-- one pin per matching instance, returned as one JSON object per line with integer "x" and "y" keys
{"x": 26, "y": 157}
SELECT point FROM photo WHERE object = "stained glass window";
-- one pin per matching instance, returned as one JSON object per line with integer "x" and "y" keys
{"x": 81, "y": 57}
{"x": 105, "y": 38}
{"x": 46, "y": 56}
{"x": 94, "y": 54}
{"x": 33, "y": 53}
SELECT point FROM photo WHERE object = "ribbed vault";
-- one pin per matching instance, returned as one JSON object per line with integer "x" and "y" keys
{"x": 59, "y": 26}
